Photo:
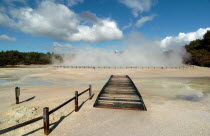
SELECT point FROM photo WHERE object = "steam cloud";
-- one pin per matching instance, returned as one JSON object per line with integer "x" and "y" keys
{"x": 139, "y": 52}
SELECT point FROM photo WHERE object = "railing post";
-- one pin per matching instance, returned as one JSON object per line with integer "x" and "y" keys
{"x": 46, "y": 120}
{"x": 90, "y": 92}
{"x": 17, "y": 94}
{"x": 76, "y": 101}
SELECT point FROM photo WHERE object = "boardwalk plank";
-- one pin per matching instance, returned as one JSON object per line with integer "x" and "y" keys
{"x": 120, "y": 93}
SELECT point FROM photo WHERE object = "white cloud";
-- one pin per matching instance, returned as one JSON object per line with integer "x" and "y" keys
{"x": 7, "y": 38}
{"x": 143, "y": 20}
{"x": 137, "y": 5}
{"x": 89, "y": 17}
{"x": 127, "y": 26}
{"x": 106, "y": 30}
{"x": 11, "y": 2}
{"x": 183, "y": 38}
{"x": 59, "y": 22}
{"x": 70, "y": 2}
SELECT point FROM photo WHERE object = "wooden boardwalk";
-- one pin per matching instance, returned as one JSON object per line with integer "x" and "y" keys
{"x": 120, "y": 93}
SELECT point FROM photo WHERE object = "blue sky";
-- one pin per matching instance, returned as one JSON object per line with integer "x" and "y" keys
{"x": 36, "y": 25}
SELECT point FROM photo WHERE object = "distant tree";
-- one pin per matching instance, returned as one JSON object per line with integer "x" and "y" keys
{"x": 206, "y": 41}
{"x": 194, "y": 45}
{"x": 15, "y": 58}
{"x": 200, "y": 51}
{"x": 206, "y": 38}
{"x": 2, "y": 58}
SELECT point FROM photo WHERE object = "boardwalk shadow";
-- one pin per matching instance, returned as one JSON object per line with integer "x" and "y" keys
{"x": 54, "y": 125}
{"x": 29, "y": 99}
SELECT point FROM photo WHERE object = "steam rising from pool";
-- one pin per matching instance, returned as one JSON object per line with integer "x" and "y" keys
{"x": 138, "y": 52}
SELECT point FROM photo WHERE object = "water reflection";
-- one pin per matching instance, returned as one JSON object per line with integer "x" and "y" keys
{"x": 190, "y": 89}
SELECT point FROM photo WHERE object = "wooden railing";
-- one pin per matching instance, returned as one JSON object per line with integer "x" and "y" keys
{"x": 46, "y": 113}
{"x": 132, "y": 67}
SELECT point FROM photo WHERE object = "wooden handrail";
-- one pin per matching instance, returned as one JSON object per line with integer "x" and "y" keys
{"x": 60, "y": 106}
{"x": 45, "y": 116}
{"x": 83, "y": 92}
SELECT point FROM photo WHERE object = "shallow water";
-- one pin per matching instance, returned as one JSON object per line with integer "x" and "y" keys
{"x": 7, "y": 79}
{"x": 12, "y": 77}
{"x": 190, "y": 89}
{"x": 10, "y": 81}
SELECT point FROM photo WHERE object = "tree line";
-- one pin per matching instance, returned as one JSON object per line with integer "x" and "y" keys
{"x": 200, "y": 51}
{"x": 14, "y": 57}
